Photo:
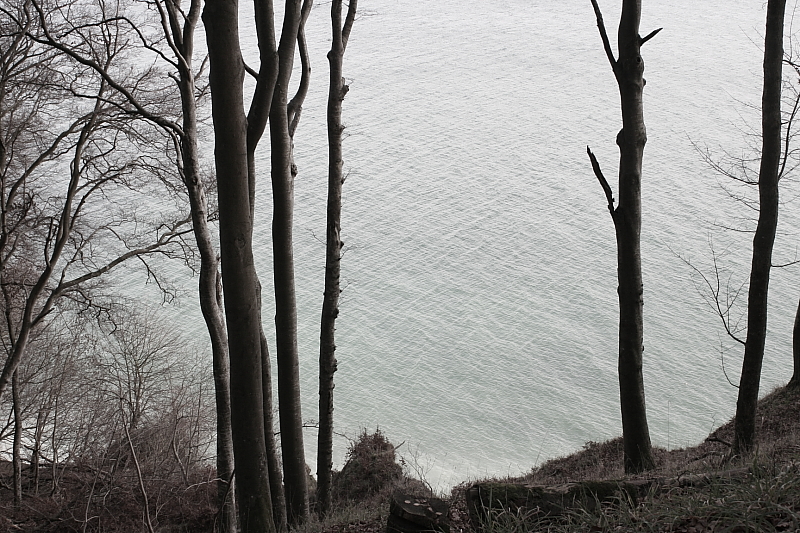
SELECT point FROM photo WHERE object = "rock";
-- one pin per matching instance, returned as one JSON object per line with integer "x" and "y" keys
{"x": 412, "y": 514}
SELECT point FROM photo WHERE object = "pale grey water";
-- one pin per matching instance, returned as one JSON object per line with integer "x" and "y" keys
{"x": 479, "y": 320}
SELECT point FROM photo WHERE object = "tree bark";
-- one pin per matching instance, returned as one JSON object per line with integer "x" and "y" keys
{"x": 330, "y": 303}
{"x": 795, "y": 381}
{"x": 257, "y": 118}
{"x": 283, "y": 174}
{"x": 209, "y": 289}
{"x": 273, "y": 461}
{"x": 16, "y": 448}
{"x": 627, "y": 217}
{"x": 764, "y": 239}
{"x": 238, "y": 268}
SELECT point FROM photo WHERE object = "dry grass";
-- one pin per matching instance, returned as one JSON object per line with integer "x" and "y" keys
{"x": 767, "y": 499}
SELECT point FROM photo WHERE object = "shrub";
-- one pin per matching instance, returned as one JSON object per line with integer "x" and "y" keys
{"x": 370, "y": 468}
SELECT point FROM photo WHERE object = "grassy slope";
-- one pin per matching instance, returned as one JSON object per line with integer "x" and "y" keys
{"x": 768, "y": 499}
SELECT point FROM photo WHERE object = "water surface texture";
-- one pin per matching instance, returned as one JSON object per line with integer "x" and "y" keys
{"x": 478, "y": 322}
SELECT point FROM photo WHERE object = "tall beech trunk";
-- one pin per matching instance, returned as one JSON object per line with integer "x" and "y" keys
{"x": 627, "y": 217}
{"x": 209, "y": 287}
{"x": 273, "y": 460}
{"x": 795, "y": 381}
{"x": 282, "y": 121}
{"x": 238, "y": 269}
{"x": 257, "y": 118}
{"x": 333, "y": 254}
{"x": 764, "y": 239}
{"x": 236, "y": 140}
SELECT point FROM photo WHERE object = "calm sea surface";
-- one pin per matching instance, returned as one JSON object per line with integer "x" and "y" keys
{"x": 478, "y": 322}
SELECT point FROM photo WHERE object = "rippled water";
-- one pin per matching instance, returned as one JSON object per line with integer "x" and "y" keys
{"x": 479, "y": 320}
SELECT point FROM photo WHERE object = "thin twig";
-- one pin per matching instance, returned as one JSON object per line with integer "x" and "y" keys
{"x": 714, "y": 438}
{"x": 225, "y": 498}
{"x": 725, "y": 372}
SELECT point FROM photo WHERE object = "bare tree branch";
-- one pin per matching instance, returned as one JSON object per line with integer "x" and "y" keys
{"x": 649, "y": 36}
{"x": 604, "y": 36}
{"x": 603, "y": 182}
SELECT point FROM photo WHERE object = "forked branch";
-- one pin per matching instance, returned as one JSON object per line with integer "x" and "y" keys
{"x": 348, "y": 22}
{"x": 295, "y": 105}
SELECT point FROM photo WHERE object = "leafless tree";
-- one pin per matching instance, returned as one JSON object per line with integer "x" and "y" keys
{"x": 333, "y": 244}
{"x": 764, "y": 238}
{"x": 236, "y": 137}
{"x": 73, "y": 162}
{"x": 627, "y": 217}
{"x": 167, "y": 40}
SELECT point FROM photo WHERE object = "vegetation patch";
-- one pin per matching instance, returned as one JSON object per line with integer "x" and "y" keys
{"x": 370, "y": 469}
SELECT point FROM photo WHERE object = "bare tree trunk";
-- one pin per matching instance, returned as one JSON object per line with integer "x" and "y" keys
{"x": 238, "y": 270}
{"x": 16, "y": 449}
{"x": 257, "y": 118}
{"x": 36, "y": 451}
{"x": 764, "y": 239}
{"x": 273, "y": 463}
{"x": 282, "y": 123}
{"x": 795, "y": 381}
{"x": 627, "y": 217}
{"x": 330, "y": 303}
{"x": 209, "y": 287}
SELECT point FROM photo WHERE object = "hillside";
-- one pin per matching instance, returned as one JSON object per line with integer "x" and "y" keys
{"x": 763, "y": 494}
{"x": 758, "y": 494}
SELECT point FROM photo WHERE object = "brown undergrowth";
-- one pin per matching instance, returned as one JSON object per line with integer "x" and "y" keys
{"x": 88, "y": 500}
{"x": 766, "y": 498}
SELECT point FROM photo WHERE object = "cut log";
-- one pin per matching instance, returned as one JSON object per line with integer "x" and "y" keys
{"x": 483, "y": 499}
{"x": 488, "y": 499}
{"x": 412, "y": 514}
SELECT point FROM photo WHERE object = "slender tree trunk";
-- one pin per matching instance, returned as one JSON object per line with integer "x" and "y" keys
{"x": 283, "y": 174}
{"x": 330, "y": 303}
{"x": 41, "y": 417}
{"x": 291, "y": 420}
{"x": 238, "y": 269}
{"x": 795, "y": 381}
{"x": 257, "y": 118}
{"x": 764, "y": 239}
{"x": 273, "y": 462}
{"x": 627, "y": 216}
{"x": 16, "y": 448}
{"x": 209, "y": 287}
{"x": 210, "y": 294}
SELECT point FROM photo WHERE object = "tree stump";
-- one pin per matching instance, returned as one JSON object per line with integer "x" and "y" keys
{"x": 412, "y": 514}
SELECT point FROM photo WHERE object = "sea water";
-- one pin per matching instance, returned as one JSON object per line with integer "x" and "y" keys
{"x": 479, "y": 314}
